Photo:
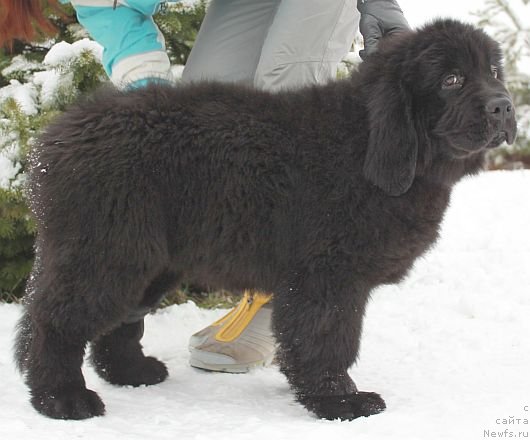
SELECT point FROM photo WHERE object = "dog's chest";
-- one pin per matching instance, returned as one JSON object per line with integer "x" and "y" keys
{"x": 393, "y": 232}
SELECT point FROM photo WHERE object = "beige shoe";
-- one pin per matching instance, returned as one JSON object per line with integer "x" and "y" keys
{"x": 239, "y": 341}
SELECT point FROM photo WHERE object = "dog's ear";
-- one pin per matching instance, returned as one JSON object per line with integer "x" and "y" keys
{"x": 390, "y": 161}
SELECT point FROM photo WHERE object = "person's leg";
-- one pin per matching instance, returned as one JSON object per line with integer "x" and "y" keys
{"x": 229, "y": 43}
{"x": 306, "y": 42}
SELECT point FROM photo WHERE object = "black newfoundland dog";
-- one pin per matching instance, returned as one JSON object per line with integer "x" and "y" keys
{"x": 317, "y": 195}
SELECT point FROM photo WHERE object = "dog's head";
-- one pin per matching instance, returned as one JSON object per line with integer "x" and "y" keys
{"x": 438, "y": 88}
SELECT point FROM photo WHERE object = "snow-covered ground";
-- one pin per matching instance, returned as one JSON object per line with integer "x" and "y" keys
{"x": 448, "y": 348}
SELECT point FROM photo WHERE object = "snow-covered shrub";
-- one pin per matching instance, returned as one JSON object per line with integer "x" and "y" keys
{"x": 35, "y": 94}
{"x": 16, "y": 243}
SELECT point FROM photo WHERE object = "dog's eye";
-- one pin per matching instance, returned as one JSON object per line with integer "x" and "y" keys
{"x": 452, "y": 81}
{"x": 494, "y": 71}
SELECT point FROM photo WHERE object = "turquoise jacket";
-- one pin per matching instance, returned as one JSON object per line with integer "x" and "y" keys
{"x": 133, "y": 46}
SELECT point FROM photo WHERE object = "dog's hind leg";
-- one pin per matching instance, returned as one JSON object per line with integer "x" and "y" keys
{"x": 118, "y": 356}
{"x": 318, "y": 332}
{"x": 69, "y": 305}
{"x": 49, "y": 351}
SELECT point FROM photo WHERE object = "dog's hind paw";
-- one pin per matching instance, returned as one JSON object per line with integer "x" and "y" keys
{"x": 71, "y": 404}
{"x": 142, "y": 371}
{"x": 345, "y": 407}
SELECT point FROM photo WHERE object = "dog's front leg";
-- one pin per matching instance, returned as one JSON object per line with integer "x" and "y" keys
{"x": 318, "y": 332}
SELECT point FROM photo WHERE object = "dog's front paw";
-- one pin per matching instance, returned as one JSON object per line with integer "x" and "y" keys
{"x": 74, "y": 404}
{"x": 346, "y": 407}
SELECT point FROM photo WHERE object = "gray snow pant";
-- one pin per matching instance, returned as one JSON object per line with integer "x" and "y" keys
{"x": 273, "y": 44}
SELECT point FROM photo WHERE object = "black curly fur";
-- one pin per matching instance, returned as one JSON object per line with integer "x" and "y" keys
{"x": 316, "y": 195}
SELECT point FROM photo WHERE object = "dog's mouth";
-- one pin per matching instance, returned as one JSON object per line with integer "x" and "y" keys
{"x": 505, "y": 134}
{"x": 498, "y": 139}
{"x": 462, "y": 150}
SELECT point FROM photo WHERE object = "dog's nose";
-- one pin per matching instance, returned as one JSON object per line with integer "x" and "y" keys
{"x": 500, "y": 107}
{"x": 502, "y": 110}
